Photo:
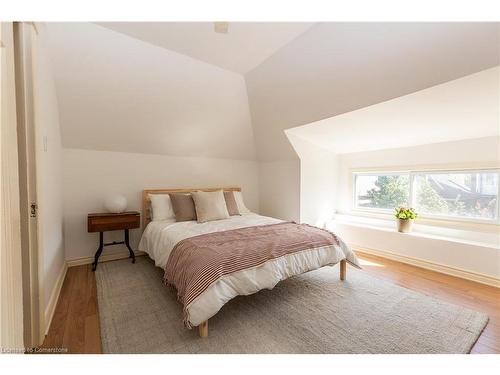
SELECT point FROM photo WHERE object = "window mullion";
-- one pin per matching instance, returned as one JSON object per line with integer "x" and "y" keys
{"x": 411, "y": 196}
{"x": 498, "y": 196}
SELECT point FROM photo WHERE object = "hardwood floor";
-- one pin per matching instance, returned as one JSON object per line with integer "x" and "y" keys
{"x": 75, "y": 325}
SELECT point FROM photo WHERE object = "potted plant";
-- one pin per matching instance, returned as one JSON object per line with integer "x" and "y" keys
{"x": 405, "y": 217}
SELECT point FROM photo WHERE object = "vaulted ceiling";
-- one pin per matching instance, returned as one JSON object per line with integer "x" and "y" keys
{"x": 242, "y": 48}
{"x": 118, "y": 93}
{"x": 464, "y": 108}
{"x": 334, "y": 68}
{"x": 159, "y": 87}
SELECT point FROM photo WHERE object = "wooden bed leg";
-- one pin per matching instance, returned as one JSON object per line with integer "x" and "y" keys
{"x": 203, "y": 329}
{"x": 343, "y": 269}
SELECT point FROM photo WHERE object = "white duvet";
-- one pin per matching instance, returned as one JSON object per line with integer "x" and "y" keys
{"x": 160, "y": 237}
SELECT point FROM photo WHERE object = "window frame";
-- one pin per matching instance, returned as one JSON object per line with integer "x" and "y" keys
{"x": 367, "y": 173}
{"x": 412, "y": 173}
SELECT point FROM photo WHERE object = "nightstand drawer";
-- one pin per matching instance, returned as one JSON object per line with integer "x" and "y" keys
{"x": 103, "y": 223}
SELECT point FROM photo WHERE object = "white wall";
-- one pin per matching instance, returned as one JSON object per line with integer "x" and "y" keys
{"x": 476, "y": 258}
{"x": 279, "y": 183}
{"x": 89, "y": 176}
{"x": 49, "y": 172}
{"x": 318, "y": 181}
{"x": 317, "y": 188}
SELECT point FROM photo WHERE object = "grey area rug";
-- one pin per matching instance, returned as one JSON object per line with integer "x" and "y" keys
{"x": 311, "y": 313}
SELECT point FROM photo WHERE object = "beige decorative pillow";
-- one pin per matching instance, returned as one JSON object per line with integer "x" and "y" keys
{"x": 232, "y": 207}
{"x": 210, "y": 205}
{"x": 183, "y": 206}
{"x": 239, "y": 202}
{"x": 161, "y": 207}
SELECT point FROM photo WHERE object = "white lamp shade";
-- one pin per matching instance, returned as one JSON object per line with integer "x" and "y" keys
{"x": 115, "y": 203}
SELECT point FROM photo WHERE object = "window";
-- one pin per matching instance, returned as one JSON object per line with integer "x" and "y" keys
{"x": 384, "y": 191}
{"x": 463, "y": 195}
{"x": 458, "y": 194}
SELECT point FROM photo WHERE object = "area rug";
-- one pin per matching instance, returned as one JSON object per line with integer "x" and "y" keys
{"x": 311, "y": 313}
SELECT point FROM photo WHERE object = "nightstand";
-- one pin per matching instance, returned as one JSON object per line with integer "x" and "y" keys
{"x": 103, "y": 222}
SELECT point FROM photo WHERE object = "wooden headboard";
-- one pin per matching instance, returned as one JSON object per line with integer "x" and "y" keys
{"x": 146, "y": 202}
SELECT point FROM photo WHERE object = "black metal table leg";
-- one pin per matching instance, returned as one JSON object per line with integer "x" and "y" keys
{"x": 132, "y": 255}
{"x": 98, "y": 252}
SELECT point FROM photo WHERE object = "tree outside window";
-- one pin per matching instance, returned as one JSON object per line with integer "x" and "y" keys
{"x": 455, "y": 194}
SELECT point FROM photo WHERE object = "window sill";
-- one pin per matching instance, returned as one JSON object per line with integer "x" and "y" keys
{"x": 440, "y": 223}
{"x": 470, "y": 237}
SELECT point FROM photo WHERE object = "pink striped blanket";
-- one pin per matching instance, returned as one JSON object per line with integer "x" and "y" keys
{"x": 197, "y": 262}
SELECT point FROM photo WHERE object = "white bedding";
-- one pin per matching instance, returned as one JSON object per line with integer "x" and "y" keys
{"x": 160, "y": 237}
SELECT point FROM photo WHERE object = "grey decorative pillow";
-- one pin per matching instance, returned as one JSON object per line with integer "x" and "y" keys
{"x": 210, "y": 205}
{"x": 183, "y": 206}
{"x": 231, "y": 205}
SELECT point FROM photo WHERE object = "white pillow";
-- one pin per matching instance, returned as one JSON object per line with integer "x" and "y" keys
{"x": 238, "y": 197}
{"x": 161, "y": 207}
{"x": 210, "y": 205}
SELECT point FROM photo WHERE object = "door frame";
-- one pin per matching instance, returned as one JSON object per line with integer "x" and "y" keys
{"x": 11, "y": 285}
{"x": 33, "y": 318}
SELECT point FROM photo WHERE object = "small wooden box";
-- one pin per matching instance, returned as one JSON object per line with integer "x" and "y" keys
{"x": 102, "y": 222}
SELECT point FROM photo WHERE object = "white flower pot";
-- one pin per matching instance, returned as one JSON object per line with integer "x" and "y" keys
{"x": 404, "y": 226}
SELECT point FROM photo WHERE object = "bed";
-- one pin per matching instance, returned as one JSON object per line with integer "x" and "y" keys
{"x": 212, "y": 262}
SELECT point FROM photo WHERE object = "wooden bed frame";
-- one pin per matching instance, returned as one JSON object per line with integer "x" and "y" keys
{"x": 146, "y": 218}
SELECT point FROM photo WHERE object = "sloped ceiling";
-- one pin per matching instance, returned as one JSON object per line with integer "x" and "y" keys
{"x": 465, "y": 108}
{"x": 335, "y": 68}
{"x": 242, "y": 48}
{"x": 117, "y": 93}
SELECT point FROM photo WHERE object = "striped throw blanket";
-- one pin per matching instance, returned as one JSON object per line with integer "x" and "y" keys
{"x": 197, "y": 262}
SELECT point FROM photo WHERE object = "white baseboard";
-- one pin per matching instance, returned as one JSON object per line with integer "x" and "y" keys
{"x": 122, "y": 254}
{"x": 54, "y": 297}
{"x": 452, "y": 271}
